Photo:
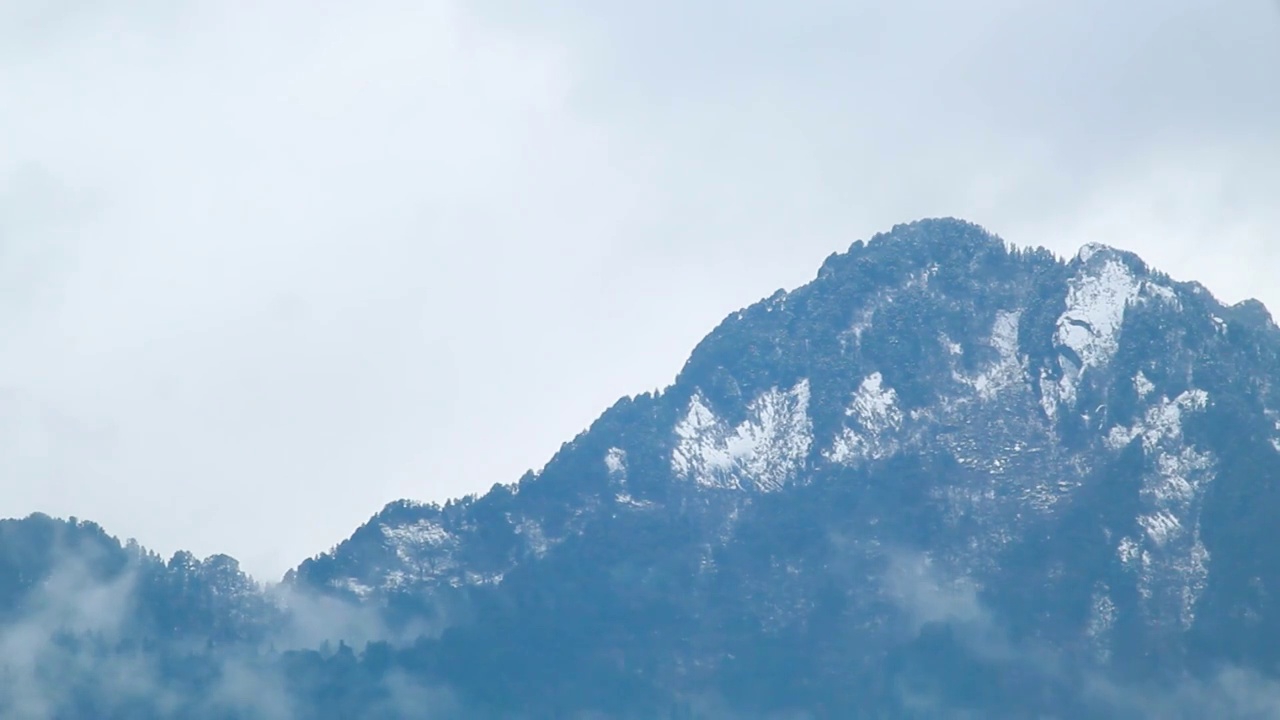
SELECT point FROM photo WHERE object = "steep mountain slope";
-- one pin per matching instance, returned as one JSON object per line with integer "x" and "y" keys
{"x": 942, "y": 447}
{"x": 946, "y": 478}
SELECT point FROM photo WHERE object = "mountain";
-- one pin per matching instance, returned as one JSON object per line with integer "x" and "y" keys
{"x": 948, "y": 477}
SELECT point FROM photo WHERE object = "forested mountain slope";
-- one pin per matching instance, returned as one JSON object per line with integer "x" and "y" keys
{"x": 948, "y": 477}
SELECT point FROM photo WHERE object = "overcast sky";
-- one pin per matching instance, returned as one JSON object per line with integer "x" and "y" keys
{"x": 265, "y": 266}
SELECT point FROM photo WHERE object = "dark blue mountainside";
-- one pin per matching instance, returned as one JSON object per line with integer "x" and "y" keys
{"x": 946, "y": 478}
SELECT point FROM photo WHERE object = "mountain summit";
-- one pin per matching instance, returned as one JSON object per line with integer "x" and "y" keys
{"x": 1075, "y": 459}
{"x": 946, "y": 478}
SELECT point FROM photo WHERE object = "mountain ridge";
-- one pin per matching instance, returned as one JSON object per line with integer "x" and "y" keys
{"x": 932, "y": 237}
{"x": 948, "y": 472}
{"x": 910, "y": 235}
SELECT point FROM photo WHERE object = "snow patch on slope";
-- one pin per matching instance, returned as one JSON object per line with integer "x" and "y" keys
{"x": 874, "y": 419}
{"x": 1128, "y": 551}
{"x": 411, "y": 540}
{"x": 422, "y": 549}
{"x": 626, "y": 499}
{"x": 1170, "y": 556}
{"x": 1162, "y": 422}
{"x": 763, "y": 452}
{"x": 1050, "y": 394}
{"x": 1142, "y": 385}
{"x": 1090, "y": 326}
{"x": 1160, "y": 526}
{"x": 535, "y": 539}
{"x": 1154, "y": 291}
{"x": 1007, "y": 371}
{"x": 615, "y": 461}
